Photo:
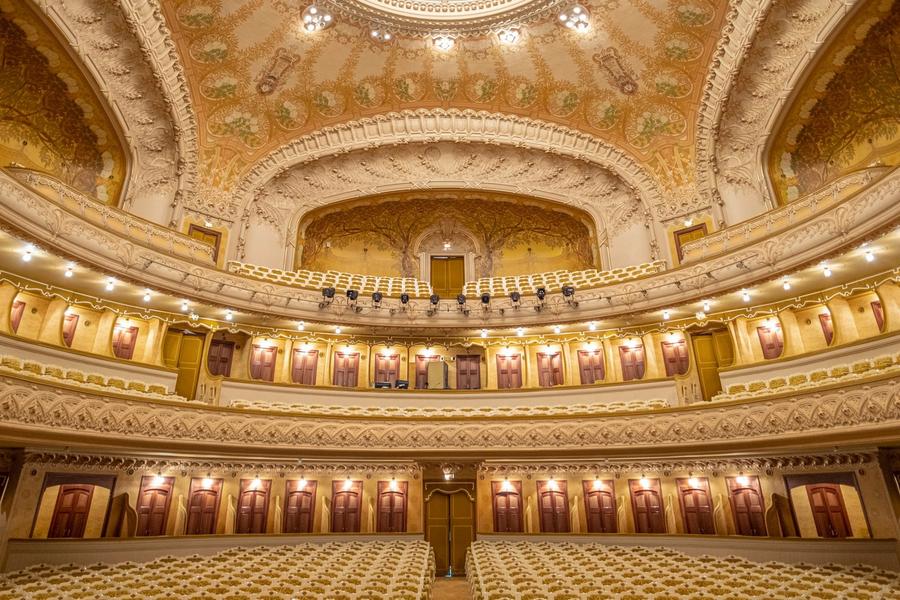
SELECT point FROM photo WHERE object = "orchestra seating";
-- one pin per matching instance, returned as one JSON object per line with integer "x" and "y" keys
{"x": 881, "y": 365}
{"x": 572, "y": 571}
{"x": 317, "y": 280}
{"x": 555, "y": 280}
{"x": 54, "y": 374}
{"x": 400, "y": 570}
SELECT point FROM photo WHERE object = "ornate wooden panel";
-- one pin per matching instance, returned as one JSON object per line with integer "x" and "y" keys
{"x": 387, "y": 368}
{"x": 219, "y": 359}
{"x": 124, "y": 341}
{"x": 675, "y": 357}
{"x": 70, "y": 324}
{"x": 303, "y": 366}
{"x": 771, "y": 340}
{"x": 829, "y": 511}
{"x": 549, "y": 368}
{"x": 632, "y": 360}
{"x": 696, "y": 505}
{"x": 590, "y": 366}
{"x": 468, "y": 372}
{"x": 509, "y": 371}
{"x": 262, "y": 363}
{"x": 346, "y": 369}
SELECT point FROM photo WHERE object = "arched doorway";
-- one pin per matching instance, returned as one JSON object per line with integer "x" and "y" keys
{"x": 450, "y": 524}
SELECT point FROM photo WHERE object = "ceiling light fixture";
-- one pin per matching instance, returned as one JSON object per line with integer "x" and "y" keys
{"x": 745, "y": 295}
{"x": 443, "y": 43}
{"x": 147, "y": 295}
{"x": 229, "y": 315}
{"x": 666, "y": 315}
{"x": 27, "y": 252}
{"x": 520, "y": 331}
{"x": 706, "y": 306}
{"x": 484, "y": 333}
{"x": 337, "y": 330}
{"x": 184, "y": 306}
{"x": 826, "y": 270}
{"x": 557, "y": 329}
{"x": 315, "y": 19}
{"x": 381, "y": 36}
{"x": 110, "y": 284}
{"x": 688, "y": 222}
{"x": 509, "y": 36}
{"x": 869, "y": 253}
{"x": 786, "y": 283}
{"x": 70, "y": 270}
{"x": 576, "y": 18}
{"x": 301, "y": 326}
{"x": 592, "y": 326}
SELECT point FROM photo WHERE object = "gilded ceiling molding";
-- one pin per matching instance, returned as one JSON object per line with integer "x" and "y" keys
{"x": 864, "y": 413}
{"x": 110, "y": 45}
{"x": 434, "y": 125}
{"x": 28, "y": 213}
{"x": 714, "y": 465}
{"x": 763, "y": 56}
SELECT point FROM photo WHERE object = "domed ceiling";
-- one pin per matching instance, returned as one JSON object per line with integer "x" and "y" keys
{"x": 259, "y": 81}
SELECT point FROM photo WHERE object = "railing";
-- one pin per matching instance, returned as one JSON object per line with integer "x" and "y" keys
{"x": 555, "y": 280}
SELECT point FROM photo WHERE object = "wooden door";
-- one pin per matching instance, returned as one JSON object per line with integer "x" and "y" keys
{"x": 253, "y": 506}
{"x": 346, "y": 503}
{"x": 203, "y": 506}
{"x": 262, "y": 363}
{"x": 70, "y": 515}
{"x": 448, "y": 275}
{"x": 590, "y": 366}
{"x": 549, "y": 369}
{"x": 829, "y": 511}
{"x": 648, "y": 507}
{"x": 632, "y": 360}
{"x": 207, "y": 236}
{"x": 688, "y": 234}
{"x": 771, "y": 341}
{"x": 189, "y": 360}
{"x": 706, "y": 358}
{"x": 507, "y": 501}
{"x": 15, "y": 316}
{"x": 387, "y": 368}
{"x": 509, "y": 371}
{"x": 422, "y": 370}
{"x": 303, "y": 366}
{"x": 747, "y": 505}
{"x": 153, "y": 504}
{"x": 450, "y": 529}
{"x": 827, "y": 327}
{"x": 600, "y": 506}
{"x": 878, "y": 313}
{"x": 696, "y": 505}
{"x": 218, "y": 361}
{"x": 70, "y": 324}
{"x": 468, "y": 372}
{"x": 124, "y": 341}
{"x": 675, "y": 357}
{"x": 553, "y": 505}
{"x": 391, "y": 517}
{"x": 346, "y": 369}
{"x": 299, "y": 506}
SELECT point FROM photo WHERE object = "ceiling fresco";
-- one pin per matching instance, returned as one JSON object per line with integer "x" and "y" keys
{"x": 258, "y": 82}
{"x": 846, "y": 117}
{"x": 50, "y": 118}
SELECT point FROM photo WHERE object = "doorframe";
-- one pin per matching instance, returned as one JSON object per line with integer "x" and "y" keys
{"x": 468, "y": 265}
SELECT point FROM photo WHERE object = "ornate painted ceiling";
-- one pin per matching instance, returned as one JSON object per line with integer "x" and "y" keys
{"x": 258, "y": 82}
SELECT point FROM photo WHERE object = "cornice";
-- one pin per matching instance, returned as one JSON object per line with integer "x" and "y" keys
{"x": 868, "y": 413}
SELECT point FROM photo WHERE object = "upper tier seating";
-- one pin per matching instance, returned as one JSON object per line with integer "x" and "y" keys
{"x": 536, "y": 571}
{"x": 317, "y": 280}
{"x": 555, "y": 280}
{"x": 92, "y": 381}
{"x": 333, "y": 571}
{"x": 796, "y": 382}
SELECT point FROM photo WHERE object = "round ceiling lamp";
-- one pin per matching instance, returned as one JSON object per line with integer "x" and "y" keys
{"x": 510, "y": 36}
{"x": 443, "y": 43}
{"x": 315, "y": 19}
{"x": 576, "y": 18}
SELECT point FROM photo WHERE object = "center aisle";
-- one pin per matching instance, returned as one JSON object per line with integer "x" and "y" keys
{"x": 456, "y": 588}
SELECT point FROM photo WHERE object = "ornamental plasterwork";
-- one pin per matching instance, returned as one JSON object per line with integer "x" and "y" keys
{"x": 640, "y": 102}
{"x": 828, "y": 231}
{"x": 747, "y": 90}
{"x": 163, "y": 155}
{"x": 861, "y": 411}
{"x": 446, "y": 165}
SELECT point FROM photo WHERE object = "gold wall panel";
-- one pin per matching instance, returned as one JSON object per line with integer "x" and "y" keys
{"x": 50, "y": 118}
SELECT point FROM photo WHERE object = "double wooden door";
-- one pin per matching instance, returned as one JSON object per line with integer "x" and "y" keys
{"x": 299, "y": 506}
{"x": 70, "y": 515}
{"x": 507, "y": 501}
{"x": 675, "y": 357}
{"x": 747, "y": 505}
{"x": 632, "y": 361}
{"x": 203, "y": 506}
{"x": 422, "y": 370}
{"x": 153, "y": 505}
{"x": 124, "y": 341}
{"x": 771, "y": 341}
{"x": 253, "y": 506}
{"x": 509, "y": 371}
{"x": 646, "y": 502}
{"x": 70, "y": 324}
{"x": 696, "y": 505}
{"x": 468, "y": 372}
{"x": 346, "y": 504}
{"x": 553, "y": 505}
{"x": 392, "y": 499}
{"x": 221, "y": 354}
{"x": 829, "y": 512}
{"x": 600, "y": 506}
{"x": 303, "y": 366}
{"x": 450, "y": 529}
{"x": 387, "y": 368}
{"x": 590, "y": 366}
{"x": 549, "y": 369}
{"x": 262, "y": 362}
{"x": 346, "y": 369}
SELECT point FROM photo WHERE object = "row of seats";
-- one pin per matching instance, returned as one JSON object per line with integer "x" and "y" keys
{"x": 569, "y": 571}
{"x": 481, "y": 411}
{"x": 403, "y": 570}
{"x": 805, "y": 381}
{"x": 92, "y": 381}
{"x": 555, "y": 280}
{"x": 317, "y": 280}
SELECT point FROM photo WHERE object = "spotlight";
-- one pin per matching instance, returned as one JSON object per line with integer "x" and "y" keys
{"x": 557, "y": 329}
{"x": 229, "y": 315}
{"x": 337, "y": 330}
{"x": 404, "y": 298}
{"x": 435, "y": 299}
{"x": 745, "y": 295}
{"x": 786, "y": 284}
{"x": 110, "y": 284}
{"x": 352, "y": 295}
{"x": 443, "y": 43}
{"x": 485, "y": 299}
{"x": 568, "y": 291}
{"x": 869, "y": 253}
{"x": 328, "y": 293}
{"x": 27, "y": 252}
{"x": 70, "y": 270}
{"x": 148, "y": 293}
{"x": 577, "y": 18}
{"x": 461, "y": 299}
{"x": 826, "y": 270}
{"x": 516, "y": 297}
{"x": 509, "y": 36}
{"x": 315, "y": 19}
{"x": 377, "y": 297}
{"x": 706, "y": 306}
{"x": 184, "y": 306}
{"x": 592, "y": 326}
{"x": 666, "y": 315}
{"x": 541, "y": 293}
{"x": 520, "y": 332}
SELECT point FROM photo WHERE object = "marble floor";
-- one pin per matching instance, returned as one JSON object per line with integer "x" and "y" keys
{"x": 454, "y": 588}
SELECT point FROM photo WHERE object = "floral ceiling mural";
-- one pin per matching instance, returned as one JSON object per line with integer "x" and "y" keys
{"x": 847, "y": 116}
{"x": 384, "y": 235}
{"x": 258, "y": 82}
{"x": 50, "y": 118}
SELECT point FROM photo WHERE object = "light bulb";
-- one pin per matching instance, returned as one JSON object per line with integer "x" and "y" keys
{"x": 509, "y": 36}
{"x": 337, "y": 330}
{"x": 826, "y": 270}
{"x": 484, "y": 333}
{"x": 147, "y": 295}
{"x": 520, "y": 332}
{"x": 557, "y": 329}
{"x": 869, "y": 253}
{"x": 229, "y": 315}
{"x": 70, "y": 270}
{"x": 592, "y": 326}
{"x": 110, "y": 284}
{"x": 301, "y": 326}
{"x": 645, "y": 483}
{"x": 184, "y": 306}
{"x": 443, "y": 43}
{"x": 706, "y": 306}
{"x": 666, "y": 315}
{"x": 27, "y": 252}
{"x": 786, "y": 284}
{"x": 688, "y": 222}
{"x": 745, "y": 295}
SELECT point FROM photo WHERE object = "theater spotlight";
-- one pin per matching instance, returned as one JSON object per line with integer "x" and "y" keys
{"x": 485, "y": 299}
{"x": 404, "y": 298}
{"x": 327, "y": 297}
{"x": 541, "y": 293}
{"x": 377, "y": 297}
{"x": 435, "y": 300}
{"x": 352, "y": 295}
{"x": 461, "y": 304}
{"x": 516, "y": 297}
{"x": 569, "y": 294}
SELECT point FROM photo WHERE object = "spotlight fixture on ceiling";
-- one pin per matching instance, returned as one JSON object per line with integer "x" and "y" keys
{"x": 404, "y": 298}
{"x": 315, "y": 19}
{"x": 110, "y": 284}
{"x": 568, "y": 292}
{"x": 184, "y": 306}
{"x": 28, "y": 252}
{"x": 576, "y": 18}
{"x": 826, "y": 270}
{"x": 443, "y": 43}
{"x": 869, "y": 253}
{"x": 352, "y": 295}
{"x": 70, "y": 270}
{"x": 485, "y": 300}
{"x": 377, "y": 297}
{"x": 484, "y": 333}
{"x": 379, "y": 35}
{"x": 516, "y": 298}
{"x": 229, "y": 315}
{"x": 301, "y": 326}
{"x": 148, "y": 294}
{"x": 666, "y": 315}
{"x": 786, "y": 283}
{"x": 510, "y": 36}
{"x": 745, "y": 295}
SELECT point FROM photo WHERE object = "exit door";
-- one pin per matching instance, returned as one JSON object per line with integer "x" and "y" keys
{"x": 450, "y": 529}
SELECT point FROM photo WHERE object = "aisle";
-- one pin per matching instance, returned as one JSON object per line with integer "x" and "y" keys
{"x": 455, "y": 588}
